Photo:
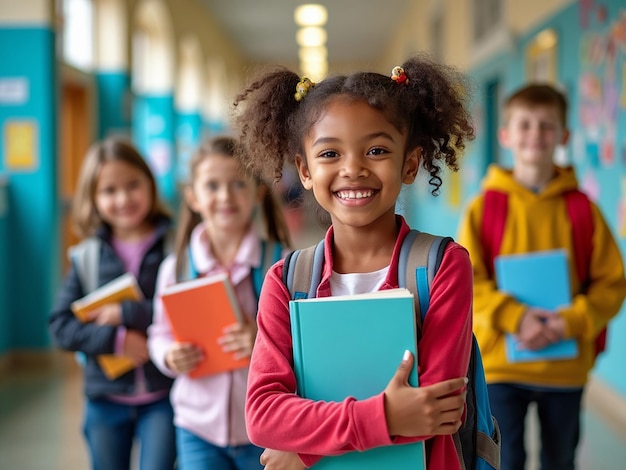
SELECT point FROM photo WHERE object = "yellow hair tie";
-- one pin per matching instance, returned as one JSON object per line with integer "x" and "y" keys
{"x": 302, "y": 88}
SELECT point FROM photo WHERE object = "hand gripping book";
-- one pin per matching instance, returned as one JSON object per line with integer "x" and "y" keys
{"x": 198, "y": 311}
{"x": 351, "y": 346}
{"x": 122, "y": 288}
{"x": 537, "y": 279}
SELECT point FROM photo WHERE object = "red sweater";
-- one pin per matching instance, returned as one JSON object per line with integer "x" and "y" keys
{"x": 279, "y": 419}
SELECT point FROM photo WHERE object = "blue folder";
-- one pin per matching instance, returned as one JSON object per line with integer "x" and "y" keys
{"x": 538, "y": 279}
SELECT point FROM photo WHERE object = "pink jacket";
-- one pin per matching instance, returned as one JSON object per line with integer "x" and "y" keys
{"x": 277, "y": 418}
{"x": 211, "y": 407}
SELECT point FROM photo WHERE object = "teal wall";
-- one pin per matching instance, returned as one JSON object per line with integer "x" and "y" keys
{"x": 590, "y": 63}
{"x": 153, "y": 133}
{"x": 33, "y": 222}
{"x": 114, "y": 103}
{"x": 213, "y": 127}
{"x": 4, "y": 264}
{"x": 599, "y": 145}
{"x": 188, "y": 135}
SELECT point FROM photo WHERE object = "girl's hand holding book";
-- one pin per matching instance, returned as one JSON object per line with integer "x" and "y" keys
{"x": 423, "y": 411}
{"x": 183, "y": 357}
{"x": 239, "y": 339}
{"x": 135, "y": 347}
{"x": 109, "y": 314}
{"x": 279, "y": 460}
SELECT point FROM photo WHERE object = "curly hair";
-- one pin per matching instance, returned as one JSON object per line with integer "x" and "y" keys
{"x": 430, "y": 110}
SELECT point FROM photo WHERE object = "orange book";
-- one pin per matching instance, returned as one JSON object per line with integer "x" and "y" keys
{"x": 113, "y": 366}
{"x": 198, "y": 311}
{"x": 122, "y": 288}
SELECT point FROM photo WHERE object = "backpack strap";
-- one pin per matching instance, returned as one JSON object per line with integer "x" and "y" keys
{"x": 420, "y": 257}
{"x": 579, "y": 212}
{"x": 270, "y": 253}
{"x": 495, "y": 209}
{"x": 169, "y": 243}
{"x": 86, "y": 257}
{"x": 190, "y": 270}
{"x": 302, "y": 271}
{"x": 581, "y": 216}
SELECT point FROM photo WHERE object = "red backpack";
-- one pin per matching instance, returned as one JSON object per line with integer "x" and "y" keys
{"x": 579, "y": 210}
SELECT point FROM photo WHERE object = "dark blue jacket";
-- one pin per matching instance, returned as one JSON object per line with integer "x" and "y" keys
{"x": 72, "y": 335}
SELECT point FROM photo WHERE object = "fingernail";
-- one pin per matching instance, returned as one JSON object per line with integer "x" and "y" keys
{"x": 465, "y": 379}
{"x": 406, "y": 355}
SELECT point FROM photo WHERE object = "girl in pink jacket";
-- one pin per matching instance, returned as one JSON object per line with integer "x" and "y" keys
{"x": 216, "y": 234}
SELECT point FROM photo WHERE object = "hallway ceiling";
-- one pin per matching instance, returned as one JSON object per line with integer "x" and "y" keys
{"x": 358, "y": 30}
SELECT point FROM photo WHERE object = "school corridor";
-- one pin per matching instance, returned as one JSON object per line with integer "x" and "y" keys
{"x": 164, "y": 75}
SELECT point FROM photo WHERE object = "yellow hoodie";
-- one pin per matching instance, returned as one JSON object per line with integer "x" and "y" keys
{"x": 535, "y": 222}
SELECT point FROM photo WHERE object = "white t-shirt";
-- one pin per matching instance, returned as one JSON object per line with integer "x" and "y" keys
{"x": 357, "y": 283}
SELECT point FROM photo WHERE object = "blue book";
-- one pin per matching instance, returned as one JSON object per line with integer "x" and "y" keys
{"x": 351, "y": 346}
{"x": 537, "y": 279}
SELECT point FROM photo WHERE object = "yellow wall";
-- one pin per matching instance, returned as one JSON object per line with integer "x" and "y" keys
{"x": 26, "y": 11}
{"x": 523, "y": 15}
{"x": 190, "y": 17}
{"x": 414, "y": 33}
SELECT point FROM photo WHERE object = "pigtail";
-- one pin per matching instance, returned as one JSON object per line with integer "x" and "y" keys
{"x": 274, "y": 219}
{"x": 264, "y": 123}
{"x": 188, "y": 219}
{"x": 440, "y": 123}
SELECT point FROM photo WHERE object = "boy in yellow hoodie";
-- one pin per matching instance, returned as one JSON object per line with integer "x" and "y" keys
{"x": 537, "y": 219}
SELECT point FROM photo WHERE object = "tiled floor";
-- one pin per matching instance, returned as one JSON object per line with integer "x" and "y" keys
{"x": 40, "y": 417}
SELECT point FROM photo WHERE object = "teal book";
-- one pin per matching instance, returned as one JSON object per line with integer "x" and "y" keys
{"x": 351, "y": 346}
{"x": 538, "y": 279}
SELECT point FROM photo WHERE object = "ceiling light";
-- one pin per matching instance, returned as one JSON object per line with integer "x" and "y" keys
{"x": 311, "y": 36}
{"x": 313, "y": 54}
{"x": 310, "y": 14}
{"x": 316, "y": 71}
{"x": 547, "y": 38}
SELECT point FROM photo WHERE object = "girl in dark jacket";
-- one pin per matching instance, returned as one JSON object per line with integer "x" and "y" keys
{"x": 117, "y": 212}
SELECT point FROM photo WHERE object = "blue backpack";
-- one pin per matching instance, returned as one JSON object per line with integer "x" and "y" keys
{"x": 478, "y": 440}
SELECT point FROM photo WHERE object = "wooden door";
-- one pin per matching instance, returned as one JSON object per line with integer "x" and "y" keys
{"x": 76, "y": 134}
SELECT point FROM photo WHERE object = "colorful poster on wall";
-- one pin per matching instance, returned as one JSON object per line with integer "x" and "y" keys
{"x": 14, "y": 91}
{"x": 602, "y": 88}
{"x": 20, "y": 146}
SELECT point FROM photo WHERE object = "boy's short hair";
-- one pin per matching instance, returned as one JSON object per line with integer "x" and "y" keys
{"x": 537, "y": 94}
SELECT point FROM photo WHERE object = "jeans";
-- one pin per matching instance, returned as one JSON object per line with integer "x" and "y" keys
{"x": 110, "y": 429}
{"x": 194, "y": 453}
{"x": 559, "y": 419}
